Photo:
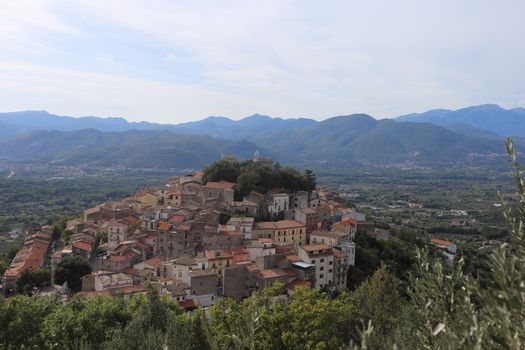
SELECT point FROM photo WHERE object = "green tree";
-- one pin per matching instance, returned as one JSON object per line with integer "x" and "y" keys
{"x": 57, "y": 232}
{"x": 224, "y": 169}
{"x": 247, "y": 182}
{"x": 3, "y": 266}
{"x": 21, "y": 319}
{"x": 71, "y": 270}
{"x": 28, "y": 280}
{"x": 311, "y": 180}
{"x": 379, "y": 301}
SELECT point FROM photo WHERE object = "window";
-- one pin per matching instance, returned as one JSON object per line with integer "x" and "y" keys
{"x": 330, "y": 271}
{"x": 322, "y": 260}
{"x": 321, "y": 268}
{"x": 321, "y": 276}
{"x": 313, "y": 261}
{"x": 331, "y": 263}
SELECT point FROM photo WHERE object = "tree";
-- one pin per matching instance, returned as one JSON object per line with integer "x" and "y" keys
{"x": 379, "y": 300}
{"x": 246, "y": 182}
{"x": 3, "y": 266}
{"x": 21, "y": 319}
{"x": 311, "y": 180}
{"x": 28, "y": 280}
{"x": 57, "y": 232}
{"x": 70, "y": 270}
{"x": 224, "y": 169}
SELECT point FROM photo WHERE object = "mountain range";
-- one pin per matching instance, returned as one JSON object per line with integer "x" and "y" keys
{"x": 437, "y": 136}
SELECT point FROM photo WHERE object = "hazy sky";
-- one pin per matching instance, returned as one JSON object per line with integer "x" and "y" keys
{"x": 171, "y": 61}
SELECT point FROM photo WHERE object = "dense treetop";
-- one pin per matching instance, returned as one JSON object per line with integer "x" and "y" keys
{"x": 259, "y": 176}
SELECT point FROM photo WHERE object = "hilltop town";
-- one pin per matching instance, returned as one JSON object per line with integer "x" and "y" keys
{"x": 192, "y": 241}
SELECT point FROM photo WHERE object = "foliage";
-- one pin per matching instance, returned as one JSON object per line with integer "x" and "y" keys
{"x": 70, "y": 270}
{"x": 259, "y": 176}
{"x": 28, "y": 280}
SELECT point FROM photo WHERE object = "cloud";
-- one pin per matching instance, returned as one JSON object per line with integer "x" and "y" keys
{"x": 285, "y": 58}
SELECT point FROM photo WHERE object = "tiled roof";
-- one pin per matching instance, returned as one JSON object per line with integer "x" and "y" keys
{"x": 441, "y": 242}
{"x": 315, "y": 247}
{"x": 221, "y": 185}
{"x": 285, "y": 224}
{"x": 272, "y": 273}
{"x": 297, "y": 283}
{"x": 163, "y": 226}
{"x": 82, "y": 246}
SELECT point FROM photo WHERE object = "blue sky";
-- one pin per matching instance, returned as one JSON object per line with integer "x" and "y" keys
{"x": 171, "y": 61}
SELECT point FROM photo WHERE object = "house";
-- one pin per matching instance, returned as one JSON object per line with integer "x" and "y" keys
{"x": 246, "y": 207}
{"x": 340, "y": 270}
{"x": 289, "y": 232}
{"x": 241, "y": 224}
{"x": 106, "y": 281}
{"x": 310, "y": 217}
{"x": 279, "y": 202}
{"x": 347, "y": 226}
{"x": 147, "y": 198}
{"x": 118, "y": 231}
{"x": 449, "y": 246}
{"x": 34, "y": 254}
{"x": 83, "y": 249}
{"x": 222, "y": 191}
{"x": 282, "y": 232}
{"x": 322, "y": 257}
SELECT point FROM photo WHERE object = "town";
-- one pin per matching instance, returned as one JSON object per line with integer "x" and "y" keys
{"x": 193, "y": 242}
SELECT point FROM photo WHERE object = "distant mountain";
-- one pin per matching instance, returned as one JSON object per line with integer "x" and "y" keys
{"x": 435, "y": 136}
{"x": 140, "y": 149}
{"x": 248, "y": 127}
{"x": 361, "y": 139}
{"x": 13, "y": 123}
{"x": 471, "y": 131}
{"x": 490, "y": 117}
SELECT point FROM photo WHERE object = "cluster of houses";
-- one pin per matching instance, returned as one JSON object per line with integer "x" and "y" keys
{"x": 194, "y": 242}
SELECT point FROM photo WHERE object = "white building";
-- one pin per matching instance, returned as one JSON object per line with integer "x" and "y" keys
{"x": 323, "y": 258}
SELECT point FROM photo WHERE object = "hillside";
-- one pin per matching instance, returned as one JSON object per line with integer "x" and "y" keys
{"x": 490, "y": 117}
{"x": 362, "y": 139}
{"x": 13, "y": 123}
{"x": 142, "y": 149}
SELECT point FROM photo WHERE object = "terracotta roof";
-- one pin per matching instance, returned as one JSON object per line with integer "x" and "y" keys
{"x": 131, "y": 219}
{"x": 163, "y": 226}
{"x": 345, "y": 222}
{"x": 130, "y": 270}
{"x": 154, "y": 262}
{"x": 221, "y": 185}
{"x": 293, "y": 258}
{"x": 117, "y": 258}
{"x": 297, "y": 283}
{"x": 187, "y": 304}
{"x": 272, "y": 273}
{"x": 314, "y": 247}
{"x": 134, "y": 289}
{"x": 30, "y": 257}
{"x": 285, "y": 224}
{"x": 231, "y": 233}
{"x": 257, "y": 194}
{"x": 264, "y": 225}
{"x": 441, "y": 242}
{"x": 177, "y": 218}
{"x": 326, "y": 234}
{"x": 339, "y": 254}
{"x": 82, "y": 246}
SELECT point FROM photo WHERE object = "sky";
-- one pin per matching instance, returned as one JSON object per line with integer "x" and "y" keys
{"x": 175, "y": 61}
